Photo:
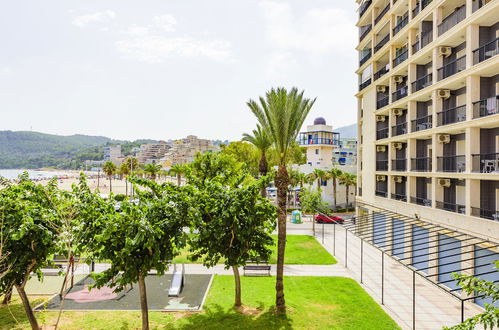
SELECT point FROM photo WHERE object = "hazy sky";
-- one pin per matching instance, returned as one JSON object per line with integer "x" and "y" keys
{"x": 165, "y": 69}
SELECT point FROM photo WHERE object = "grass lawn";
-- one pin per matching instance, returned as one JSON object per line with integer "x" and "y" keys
{"x": 313, "y": 303}
{"x": 300, "y": 250}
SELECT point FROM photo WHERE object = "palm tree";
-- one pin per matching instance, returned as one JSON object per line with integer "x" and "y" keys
{"x": 152, "y": 169}
{"x": 178, "y": 170}
{"x": 281, "y": 115}
{"x": 109, "y": 169}
{"x": 335, "y": 174}
{"x": 319, "y": 175}
{"x": 348, "y": 179}
{"x": 261, "y": 140}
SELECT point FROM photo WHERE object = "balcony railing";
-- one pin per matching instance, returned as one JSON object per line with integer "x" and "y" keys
{"x": 382, "y": 165}
{"x": 365, "y": 58}
{"x": 422, "y": 82}
{"x": 399, "y": 129}
{"x": 365, "y": 84}
{"x": 451, "y": 20}
{"x": 381, "y": 43}
{"x": 420, "y": 124}
{"x": 400, "y": 58}
{"x": 382, "y": 101}
{"x": 400, "y": 25}
{"x": 451, "y": 207}
{"x": 485, "y": 163}
{"x": 380, "y": 73}
{"x": 364, "y": 7}
{"x": 364, "y": 30}
{"x": 415, "y": 47}
{"x": 477, "y": 4}
{"x": 319, "y": 141}
{"x": 419, "y": 7}
{"x": 486, "y": 107}
{"x": 426, "y": 38}
{"x": 381, "y": 14}
{"x": 399, "y": 165}
{"x": 421, "y": 164}
{"x": 451, "y": 164}
{"x": 453, "y": 115}
{"x": 421, "y": 201}
{"x": 399, "y": 197}
{"x": 381, "y": 193}
{"x": 400, "y": 93}
{"x": 485, "y": 214}
{"x": 382, "y": 133}
{"x": 452, "y": 68}
{"x": 486, "y": 51}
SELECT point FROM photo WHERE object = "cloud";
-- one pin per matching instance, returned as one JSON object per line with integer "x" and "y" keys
{"x": 101, "y": 16}
{"x": 281, "y": 65}
{"x": 5, "y": 69}
{"x": 165, "y": 22}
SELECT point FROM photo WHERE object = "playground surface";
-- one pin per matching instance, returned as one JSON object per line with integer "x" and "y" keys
{"x": 80, "y": 298}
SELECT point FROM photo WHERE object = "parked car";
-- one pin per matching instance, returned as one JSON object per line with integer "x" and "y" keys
{"x": 321, "y": 218}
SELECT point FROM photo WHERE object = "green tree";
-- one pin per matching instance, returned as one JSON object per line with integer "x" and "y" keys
{"x": 281, "y": 114}
{"x": 221, "y": 168}
{"x": 262, "y": 142}
{"x": 177, "y": 170}
{"x": 319, "y": 175}
{"x": 311, "y": 201}
{"x": 109, "y": 169}
{"x": 152, "y": 170}
{"x": 245, "y": 153}
{"x": 348, "y": 179}
{"x": 335, "y": 174}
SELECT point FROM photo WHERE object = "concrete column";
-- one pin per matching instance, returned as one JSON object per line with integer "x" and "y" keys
{"x": 412, "y": 38}
{"x": 412, "y": 5}
{"x": 435, "y": 64}
{"x": 469, "y": 7}
{"x": 472, "y": 94}
{"x": 433, "y": 192}
{"x": 472, "y": 42}
{"x": 411, "y": 187}
{"x": 437, "y": 19}
{"x": 411, "y": 152}
{"x": 436, "y": 108}
{"x": 411, "y": 75}
{"x": 411, "y": 114}
{"x": 472, "y": 146}
{"x": 472, "y": 194}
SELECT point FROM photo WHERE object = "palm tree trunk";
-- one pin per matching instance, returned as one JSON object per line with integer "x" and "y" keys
{"x": 110, "y": 184}
{"x": 334, "y": 195}
{"x": 347, "y": 191}
{"x": 282, "y": 179}
{"x": 179, "y": 180}
{"x": 143, "y": 302}
{"x": 263, "y": 168}
{"x": 237, "y": 279}
{"x": 318, "y": 184}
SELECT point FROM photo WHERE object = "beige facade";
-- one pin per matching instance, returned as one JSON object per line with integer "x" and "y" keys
{"x": 185, "y": 150}
{"x": 428, "y": 111}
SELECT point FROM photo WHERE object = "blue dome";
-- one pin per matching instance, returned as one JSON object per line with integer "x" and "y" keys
{"x": 319, "y": 121}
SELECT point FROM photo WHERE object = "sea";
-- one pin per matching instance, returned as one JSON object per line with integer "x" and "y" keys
{"x": 33, "y": 174}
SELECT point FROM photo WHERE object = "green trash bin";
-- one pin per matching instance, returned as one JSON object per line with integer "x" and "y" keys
{"x": 296, "y": 217}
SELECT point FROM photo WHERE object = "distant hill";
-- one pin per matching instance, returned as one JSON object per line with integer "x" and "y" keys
{"x": 348, "y": 132}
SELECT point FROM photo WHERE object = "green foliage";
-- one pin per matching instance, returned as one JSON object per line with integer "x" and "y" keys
{"x": 109, "y": 169}
{"x": 245, "y": 153}
{"x": 311, "y": 201}
{"x": 152, "y": 170}
{"x": 219, "y": 168}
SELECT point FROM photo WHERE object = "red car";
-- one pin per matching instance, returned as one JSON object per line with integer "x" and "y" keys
{"x": 320, "y": 218}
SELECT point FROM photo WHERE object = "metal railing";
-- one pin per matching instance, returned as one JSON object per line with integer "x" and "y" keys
{"x": 426, "y": 38}
{"x": 365, "y": 84}
{"x": 381, "y": 43}
{"x": 486, "y": 107}
{"x": 381, "y": 193}
{"x": 485, "y": 214}
{"x": 421, "y": 201}
{"x": 455, "y": 163}
{"x": 422, "y": 82}
{"x": 400, "y": 25}
{"x": 421, "y": 164}
{"x": 400, "y": 58}
{"x": 477, "y": 4}
{"x": 485, "y": 163}
{"x": 364, "y": 30}
{"x": 452, "y": 68}
{"x": 400, "y": 93}
{"x": 399, "y": 165}
{"x": 447, "y": 23}
{"x": 399, "y": 197}
{"x": 399, "y": 129}
{"x": 381, "y": 14}
{"x": 419, "y": 7}
{"x": 382, "y": 165}
{"x": 365, "y": 58}
{"x": 453, "y": 115}
{"x": 422, "y": 123}
{"x": 451, "y": 207}
{"x": 319, "y": 141}
{"x": 382, "y": 133}
{"x": 363, "y": 8}
{"x": 382, "y": 101}
{"x": 486, "y": 51}
{"x": 380, "y": 73}
{"x": 415, "y": 47}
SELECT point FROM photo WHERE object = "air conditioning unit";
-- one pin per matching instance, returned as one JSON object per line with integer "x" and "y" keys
{"x": 397, "y": 179}
{"x": 444, "y": 51}
{"x": 398, "y": 79}
{"x": 380, "y": 118}
{"x": 380, "y": 148}
{"x": 444, "y": 93}
{"x": 443, "y": 138}
{"x": 398, "y": 145}
{"x": 444, "y": 182}
{"x": 381, "y": 89}
{"x": 380, "y": 178}
{"x": 398, "y": 112}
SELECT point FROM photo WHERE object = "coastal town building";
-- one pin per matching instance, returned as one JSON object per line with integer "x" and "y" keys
{"x": 152, "y": 152}
{"x": 346, "y": 154}
{"x": 184, "y": 151}
{"x": 428, "y": 131}
{"x": 112, "y": 153}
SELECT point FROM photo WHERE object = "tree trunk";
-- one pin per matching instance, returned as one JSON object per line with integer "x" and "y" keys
{"x": 179, "y": 180}
{"x": 282, "y": 179}
{"x": 126, "y": 187}
{"x": 334, "y": 195}
{"x": 143, "y": 303}
{"x": 347, "y": 191}
{"x": 237, "y": 279}
{"x": 318, "y": 184}
{"x": 7, "y": 297}
{"x": 263, "y": 168}
{"x": 110, "y": 184}
{"x": 27, "y": 307}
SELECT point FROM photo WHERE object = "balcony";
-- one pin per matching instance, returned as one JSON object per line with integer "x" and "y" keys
{"x": 382, "y": 165}
{"x": 451, "y": 207}
{"x": 415, "y": 47}
{"x": 363, "y": 8}
{"x": 399, "y": 165}
{"x": 477, "y": 4}
{"x": 399, "y": 129}
{"x": 365, "y": 84}
{"x": 453, "y": 115}
{"x": 400, "y": 25}
{"x": 420, "y": 124}
{"x": 364, "y": 31}
{"x": 365, "y": 58}
{"x": 486, "y": 107}
{"x": 382, "y": 101}
{"x": 450, "y": 21}
{"x": 421, "y": 201}
{"x": 400, "y": 58}
{"x": 452, "y": 68}
{"x": 399, "y": 197}
{"x": 380, "y": 73}
{"x": 456, "y": 164}
{"x": 316, "y": 140}
{"x": 485, "y": 214}
{"x": 382, "y": 133}
{"x": 421, "y": 164}
{"x": 381, "y": 14}
{"x": 400, "y": 93}
{"x": 419, "y": 7}
{"x": 422, "y": 82}
{"x": 381, "y": 43}
{"x": 381, "y": 193}
{"x": 485, "y": 163}
{"x": 486, "y": 51}
{"x": 426, "y": 38}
